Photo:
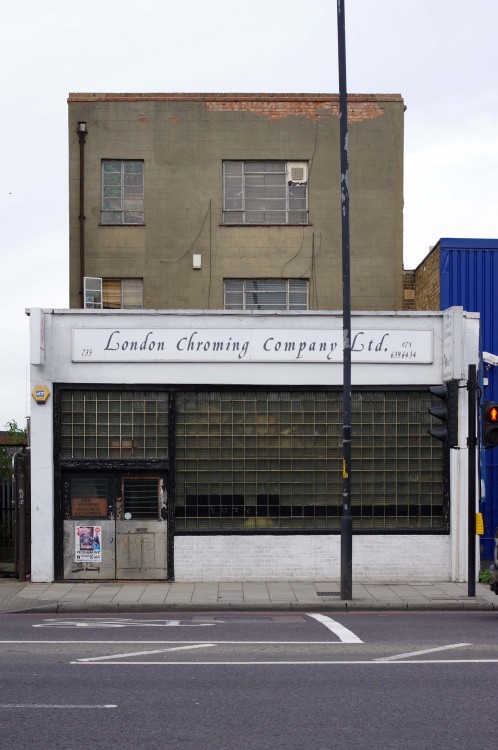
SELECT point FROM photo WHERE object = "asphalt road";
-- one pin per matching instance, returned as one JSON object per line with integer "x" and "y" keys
{"x": 222, "y": 681}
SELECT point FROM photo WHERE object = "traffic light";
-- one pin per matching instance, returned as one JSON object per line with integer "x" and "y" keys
{"x": 489, "y": 413}
{"x": 447, "y": 432}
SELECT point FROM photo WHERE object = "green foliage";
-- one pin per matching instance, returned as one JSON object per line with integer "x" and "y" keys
{"x": 485, "y": 576}
{"x": 14, "y": 431}
{"x": 16, "y": 436}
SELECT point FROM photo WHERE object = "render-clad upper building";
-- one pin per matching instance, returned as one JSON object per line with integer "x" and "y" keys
{"x": 233, "y": 201}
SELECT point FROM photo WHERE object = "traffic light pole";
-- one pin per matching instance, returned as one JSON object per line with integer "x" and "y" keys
{"x": 472, "y": 444}
{"x": 346, "y": 519}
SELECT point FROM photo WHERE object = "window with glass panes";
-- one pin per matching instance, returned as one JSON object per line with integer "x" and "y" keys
{"x": 273, "y": 460}
{"x": 113, "y": 424}
{"x": 260, "y": 192}
{"x": 122, "y": 191}
{"x": 141, "y": 497}
{"x": 126, "y": 294}
{"x": 266, "y": 294}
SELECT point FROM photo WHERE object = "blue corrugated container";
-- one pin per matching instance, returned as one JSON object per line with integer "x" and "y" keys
{"x": 469, "y": 277}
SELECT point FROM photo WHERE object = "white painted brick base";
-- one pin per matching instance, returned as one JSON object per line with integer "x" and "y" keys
{"x": 311, "y": 558}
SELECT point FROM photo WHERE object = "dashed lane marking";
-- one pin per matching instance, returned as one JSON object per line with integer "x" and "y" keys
{"x": 409, "y": 654}
{"x": 57, "y": 705}
{"x": 146, "y": 653}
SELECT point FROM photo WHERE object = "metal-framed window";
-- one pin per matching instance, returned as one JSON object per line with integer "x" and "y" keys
{"x": 141, "y": 497}
{"x": 266, "y": 294}
{"x": 265, "y": 192}
{"x": 126, "y": 294}
{"x": 92, "y": 292}
{"x": 122, "y": 191}
{"x": 113, "y": 294}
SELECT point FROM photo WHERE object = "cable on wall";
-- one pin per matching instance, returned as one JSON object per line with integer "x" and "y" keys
{"x": 177, "y": 260}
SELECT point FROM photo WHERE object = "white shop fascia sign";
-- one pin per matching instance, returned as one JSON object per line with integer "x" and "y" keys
{"x": 376, "y": 346}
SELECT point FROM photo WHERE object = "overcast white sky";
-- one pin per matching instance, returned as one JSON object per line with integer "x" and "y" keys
{"x": 440, "y": 55}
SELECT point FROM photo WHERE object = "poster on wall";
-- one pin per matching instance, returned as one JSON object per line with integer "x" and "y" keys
{"x": 87, "y": 544}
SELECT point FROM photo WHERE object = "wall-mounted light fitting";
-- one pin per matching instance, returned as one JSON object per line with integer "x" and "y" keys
{"x": 82, "y": 128}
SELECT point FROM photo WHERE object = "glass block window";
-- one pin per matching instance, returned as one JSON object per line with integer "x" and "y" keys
{"x": 114, "y": 424}
{"x": 273, "y": 460}
{"x": 265, "y": 192}
{"x": 122, "y": 191}
{"x": 266, "y": 294}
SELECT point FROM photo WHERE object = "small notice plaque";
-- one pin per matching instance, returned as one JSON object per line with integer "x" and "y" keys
{"x": 88, "y": 507}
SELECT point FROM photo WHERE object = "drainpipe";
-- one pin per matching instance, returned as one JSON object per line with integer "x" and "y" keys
{"x": 82, "y": 133}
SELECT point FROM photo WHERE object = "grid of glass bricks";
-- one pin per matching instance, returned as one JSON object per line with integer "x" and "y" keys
{"x": 114, "y": 424}
{"x": 273, "y": 459}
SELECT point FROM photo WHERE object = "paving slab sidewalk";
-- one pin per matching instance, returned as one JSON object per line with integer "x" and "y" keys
{"x": 141, "y": 596}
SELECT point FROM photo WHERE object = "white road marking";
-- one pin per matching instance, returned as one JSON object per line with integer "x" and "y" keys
{"x": 155, "y": 642}
{"x": 346, "y": 636}
{"x": 114, "y": 622}
{"x": 288, "y": 663}
{"x": 147, "y": 653}
{"x": 425, "y": 651}
{"x": 55, "y": 705}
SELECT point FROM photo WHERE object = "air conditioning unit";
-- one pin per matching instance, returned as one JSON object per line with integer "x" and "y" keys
{"x": 297, "y": 172}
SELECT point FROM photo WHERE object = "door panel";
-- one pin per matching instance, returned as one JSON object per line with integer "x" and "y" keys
{"x": 82, "y": 558}
{"x": 141, "y": 535}
{"x": 141, "y": 549}
{"x": 114, "y": 526}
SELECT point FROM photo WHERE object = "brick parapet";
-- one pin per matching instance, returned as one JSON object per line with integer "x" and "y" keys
{"x": 273, "y": 106}
{"x": 113, "y": 97}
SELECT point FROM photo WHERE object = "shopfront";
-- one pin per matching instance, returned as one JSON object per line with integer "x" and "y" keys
{"x": 209, "y": 446}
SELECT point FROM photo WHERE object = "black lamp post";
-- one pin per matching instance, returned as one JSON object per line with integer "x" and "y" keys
{"x": 347, "y": 519}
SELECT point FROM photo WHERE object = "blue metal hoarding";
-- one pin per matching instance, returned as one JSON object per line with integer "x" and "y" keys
{"x": 469, "y": 277}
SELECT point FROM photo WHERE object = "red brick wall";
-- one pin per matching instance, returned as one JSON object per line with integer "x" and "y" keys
{"x": 408, "y": 290}
{"x": 428, "y": 283}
